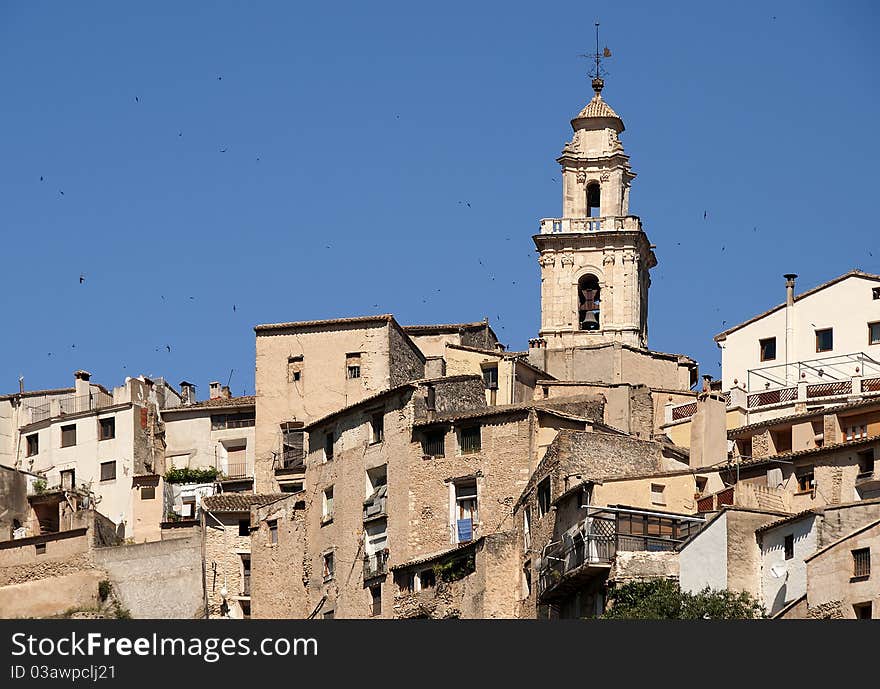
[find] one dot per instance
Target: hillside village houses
(393, 471)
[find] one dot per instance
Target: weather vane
(598, 71)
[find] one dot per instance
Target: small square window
(806, 481)
(328, 446)
(33, 445)
(106, 428)
(825, 340)
(244, 527)
(377, 428)
(490, 377)
(353, 366)
(874, 333)
(434, 443)
(108, 471)
(40, 548)
(148, 493)
(788, 545)
(876, 293)
(294, 369)
(657, 494)
(68, 436)
(768, 348)
(863, 611)
(273, 531)
(469, 440)
(861, 562)
(328, 566)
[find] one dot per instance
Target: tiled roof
(243, 401)
(501, 409)
(37, 393)
(383, 318)
(437, 556)
(803, 415)
(756, 461)
(852, 273)
(240, 502)
(597, 108)
(443, 328)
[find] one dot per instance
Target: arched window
(588, 302)
(593, 197)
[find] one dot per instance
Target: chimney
(188, 392)
(225, 392)
(789, 288)
(214, 389)
(81, 383)
(708, 431)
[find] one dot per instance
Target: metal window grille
(470, 440)
(861, 562)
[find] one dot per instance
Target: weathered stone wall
(638, 566)
(278, 570)
(839, 521)
(66, 591)
(223, 565)
(451, 395)
(406, 362)
(160, 580)
(13, 500)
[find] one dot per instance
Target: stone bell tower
(595, 259)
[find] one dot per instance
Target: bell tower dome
(595, 259)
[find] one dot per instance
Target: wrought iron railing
(376, 564)
(238, 470)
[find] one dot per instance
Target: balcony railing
(238, 470)
(376, 564)
(70, 404)
(609, 223)
(289, 459)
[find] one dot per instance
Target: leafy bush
(662, 599)
(40, 486)
(186, 475)
(104, 589)
(455, 569)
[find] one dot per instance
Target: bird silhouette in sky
(219, 78)
(61, 191)
(233, 307)
(705, 214)
(168, 347)
(223, 150)
(41, 178)
(137, 100)
(192, 297)
(179, 133)
(82, 278)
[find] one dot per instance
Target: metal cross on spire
(598, 71)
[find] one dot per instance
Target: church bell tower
(595, 259)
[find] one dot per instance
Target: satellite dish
(778, 571)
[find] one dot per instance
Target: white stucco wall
(703, 561)
(847, 307)
(777, 591)
(190, 442)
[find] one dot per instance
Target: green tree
(663, 599)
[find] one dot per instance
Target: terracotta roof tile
(240, 502)
(597, 108)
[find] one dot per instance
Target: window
(68, 479)
(863, 611)
(866, 462)
(148, 492)
(244, 527)
(188, 507)
(825, 340)
(781, 440)
(68, 436)
(788, 545)
(294, 369)
(806, 480)
(222, 422)
(861, 562)
(273, 531)
(376, 597)
(106, 428)
(328, 446)
(291, 445)
(544, 497)
(874, 333)
(40, 548)
(527, 579)
(434, 443)
(377, 427)
(291, 486)
(490, 377)
(245, 574)
(469, 440)
(327, 566)
(593, 200)
(353, 366)
(33, 444)
(108, 471)
(856, 431)
(327, 505)
(657, 497)
(427, 579)
(527, 528)
(876, 293)
(768, 348)
(588, 302)
(464, 517)
(245, 608)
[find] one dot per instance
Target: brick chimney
(81, 382)
(188, 392)
(214, 389)
(789, 288)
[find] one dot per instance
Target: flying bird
(61, 191)
(137, 100)
(219, 78)
(223, 150)
(233, 307)
(606, 52)
(82, 278)
(41, 178)
(168, 347)
(192, 297)
(705, 214)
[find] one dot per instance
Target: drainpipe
(789, 320)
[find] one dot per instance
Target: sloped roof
(240, 502)
(383, 318)
(216, 403)
(853, 273)
(597, 107)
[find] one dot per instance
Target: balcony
(630, 223)
(590, 547)
(376, 564)
(289, 461)
(70, 404)
(237, 470)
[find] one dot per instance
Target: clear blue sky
(356, 133)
